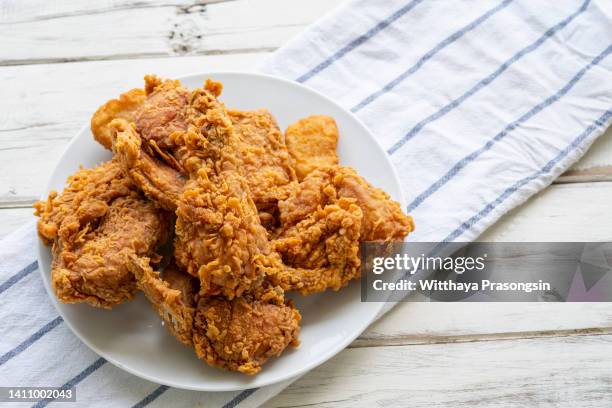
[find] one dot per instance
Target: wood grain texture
(596, 165)
(54, 72)
(35, 33)
(566, 371)
(563, 212)
(432, 323)
(43, 106)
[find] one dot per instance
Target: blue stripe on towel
(240, 397)
(18, 276)
(30, 340)
(547, 168)
(74, 381)
(359, 40)
(430, 54)
(151, 397)
(509, 128)
(486, 81)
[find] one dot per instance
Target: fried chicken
(312, 143)
(122, 108)
(383, 218)
(322, 224)
(242, 334)
(322, 250)
(173, 296)
(165, 111)
(157, 180)
(264, 159)
(98, 221)
(219, 237)
(256, 213)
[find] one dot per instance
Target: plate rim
(236, 387)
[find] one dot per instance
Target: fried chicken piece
(264, 159)
(122, 108)
(165, 111)
(322, 249)
(84, 200)
(172, 296)
(219, 237)
(242, 334)
(383, 219)
(312, 143)
(239, 335)
(157, 180)
(98, 221)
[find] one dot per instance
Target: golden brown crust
(383, 218)
(122, 108)
(322, 250)
(312, 143)
(164, 111)
(97, 222)
(219, 237)
(157, 180)
(263, 155)
(257, 212)
(241, 335)
(173, 296)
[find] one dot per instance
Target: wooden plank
(552, 372)
(43, 106)
(121, 29)
(577, 212)
(22, 11)
(430, 323)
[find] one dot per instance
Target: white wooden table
(60, 59)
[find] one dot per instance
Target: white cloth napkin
(480, 104)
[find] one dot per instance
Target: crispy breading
(157, 180)
(98, 221)
(219, 237)
(122, 108)
(312, 143)
(383, 218)
(165, 111)
(172, 296)
(322, 250)
(242, 334)
(263, 155)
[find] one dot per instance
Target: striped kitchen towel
(479, 103)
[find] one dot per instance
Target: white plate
(131, 335)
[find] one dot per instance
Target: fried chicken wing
(264, 159)
(242, 334)
(312, 143)
(322, 250)
(157, 180)
(383, 219)
(95, 225)
(172, 296)
(122, 108)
